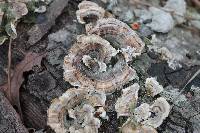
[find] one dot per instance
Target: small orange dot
(135, 26)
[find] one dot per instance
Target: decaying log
(9, 119)
(33, 113)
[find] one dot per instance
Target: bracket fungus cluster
(97, 64)
(159, 111)
(128, 99)
(153, 87)
(123, 38)
(130, 127)
(89, 64)
(146, 118)
(75, 111)
(89, 12)
(99, 59)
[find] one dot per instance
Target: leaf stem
(9, 70)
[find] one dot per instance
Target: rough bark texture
(9, 119)
(39, 30)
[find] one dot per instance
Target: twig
(194, 76)
(9, 69)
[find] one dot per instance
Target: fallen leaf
(31, 59)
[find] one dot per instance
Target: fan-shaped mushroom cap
(96, 99)
(89, 12)
(120, 34)
(85, 115)
(142, 112)
(153, 86)
(77, 72)
(87, 4)
(160, 109)
(127, 100)
(74, 111)
(88, 61)
(130, 127)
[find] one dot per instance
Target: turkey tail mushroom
(59, 107)
(142, 112)
(160, 110)
(89, 12)
(153, 87)
(74, 111)
(92, 62)
(130, 127)
(127, 101)
(119, 34)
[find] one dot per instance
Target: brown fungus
(87, 60)
(119, 34)
(160, 110)
(142, 112)
(88, 72)
(127, 101)
(130, 127)
(89, 12)
(74, 111)
(153, 87)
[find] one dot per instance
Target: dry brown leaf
(30, 60)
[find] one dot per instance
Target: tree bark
(9, 119)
